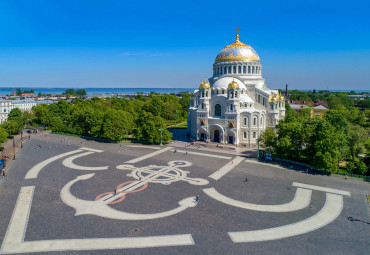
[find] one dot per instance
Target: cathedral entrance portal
(202, 136)
(231, 139)
(216, 137)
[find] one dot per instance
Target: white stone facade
(8, 105)
(235, 106)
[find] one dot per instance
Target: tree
(116, 124)
(39, 94)
(357, 137)
(269, 139)
(148, 128)
(15, 114)
(42, 115)
(3, 135)
(18, 92)
(12, 127)
(69, 92)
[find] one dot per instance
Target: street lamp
(259, 139)
(13, 149)
(161, 131)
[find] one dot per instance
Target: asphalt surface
(208, 222)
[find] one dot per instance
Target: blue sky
(309, 45)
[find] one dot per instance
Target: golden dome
(237, 51)
(204, 85)
(233, 85)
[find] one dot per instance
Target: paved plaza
(71, 196)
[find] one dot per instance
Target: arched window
(231, 107)
(202, 105)
(217, 110)
(239, 69)
(229, 69)
(253, 69)
(223, 91)
(244, 69)
(254, 121)
(202, 93)
(234, 69)
(225, 70)
(249, 69)
(206, 93)
(245, 121)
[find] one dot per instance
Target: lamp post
(21, 139)
(161, 131)
(13, 149)
(258, 146)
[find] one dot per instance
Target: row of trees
(322, 142)
(114, 118)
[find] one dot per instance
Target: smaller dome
(233, 85)
(204, 85)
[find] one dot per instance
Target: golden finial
(237, 33)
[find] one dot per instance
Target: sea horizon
(101, 91)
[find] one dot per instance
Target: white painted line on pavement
(261, 163)
(34, 171)
(18, 222)
(301, 200)
(68, 162)
(148, 155)
(143, 146)
(308, 186)
(226, 168)
(203, 154)
(331, 210)
(14, 238)
(89, 149)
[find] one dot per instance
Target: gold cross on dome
(237, 33)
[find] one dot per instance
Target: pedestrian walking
(186, 153)
(115, 192)
(246, 179)
(3, 172)
(196, 199)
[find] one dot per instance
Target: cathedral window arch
(229, 69)
(239, 69)
(223, 91)
(207, 93)
(234, 69)
(225, 70)
(245, 121)
(249, 69)
(202, 93)
(244, 69)
(252, 69)
(217, 110)
(254, 121)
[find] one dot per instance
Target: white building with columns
(235, 106)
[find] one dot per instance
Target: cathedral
(234, 106)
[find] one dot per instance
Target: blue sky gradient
(309, 45)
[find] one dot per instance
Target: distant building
(8, 105)
(318, 108)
